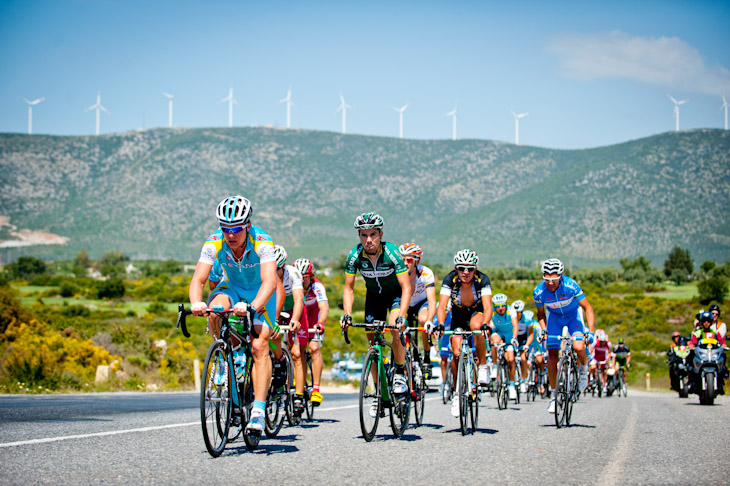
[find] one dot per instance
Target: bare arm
(296, 312)
(514, 325)
(268, 285)
(324, 312)
(487, 304)
(441, 311)
(197, 282)
(406, 291)
(588, 311)
(530, 336)
(280, 295)
(541, 318)
(348, 293)
(431, 298)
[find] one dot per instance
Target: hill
(152, 194)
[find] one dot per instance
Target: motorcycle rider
(674, 356)
(707, 333)
(721, 326)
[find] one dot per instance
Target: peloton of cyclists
(246, 254)
(563, 298)
(470, 294)
(317, 310)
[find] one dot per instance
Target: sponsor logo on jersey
(376, 273)
(261, 238)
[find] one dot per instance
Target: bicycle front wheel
(474, 396)
(308, 387)
(291, 417)
(463, 383)
(400, 404)
(216, 405)
(370, 398)
(502, 384)
(419, 392)
(448, 385)
(562, 398)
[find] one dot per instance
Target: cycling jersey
(622, 352)
(424, 280)
(521, 324)
(244, 272)
(601, 352)
(461, 314)
(312, 298)
(383, 278)
(216, 273)
(292, 280)
(563, 310)
(502, 325)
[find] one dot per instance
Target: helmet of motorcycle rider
(706, 318)
(713, 308)
(675, 335)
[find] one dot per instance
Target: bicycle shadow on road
(317, 422)
(264, 448)
(430, 426)
(388, 437)
(580, 426)
(478, 431)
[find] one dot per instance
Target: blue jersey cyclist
(387, 285)
(504, 330)
(535, 343)
(523, 323)
(563, 298)
(246, 255)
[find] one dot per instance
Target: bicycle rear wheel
(215, 404)
(274, 413)
(291, 417)
(502, 384)
(400, 404)
(474, 396)
(562, 398)
(419, 392)
(370, 397)
(448, 385)
(308, 387)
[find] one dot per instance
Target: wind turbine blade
(168, 95)
(28, 101)
(90, 108)
(35, 102)
(104, 110)
(670, 97)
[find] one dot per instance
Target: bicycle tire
(308, 387)
(274, 413)
(709, 391)
(561, 393)
(250, 438)
(370, 394)
(572, 392)
(216, 407)
(463, 384)
(502, 391)
(291, 418)
(474, 396)
(419, 393)
(400, 404)
(448, 385)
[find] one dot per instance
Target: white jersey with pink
(424, 280)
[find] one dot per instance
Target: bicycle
(376, 384)
(533, 377)
(467, 384)
(217, 393)
(518, 374)
(621, 382)
(502, 378)
(295, 418)
(566, 389)
(419, 388)
(279, 402)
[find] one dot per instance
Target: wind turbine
(343, 106)
(452, 114)
(676, 109)
(289, 104)
(517, 125)
(169, 116)
(97, 106)
(724, 105)
(231, 102)
(35, 102)
(400, 118)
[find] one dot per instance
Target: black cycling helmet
(714, 307)
(706, 316)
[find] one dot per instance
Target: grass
(682, 292)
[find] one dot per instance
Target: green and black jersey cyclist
(470, 294)
(386, 282)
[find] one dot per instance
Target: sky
(587, 73)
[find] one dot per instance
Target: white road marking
(621, 450)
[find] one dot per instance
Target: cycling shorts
(444, 347)
(555, 325)
(461, 317)
(521, 340)
(413, 312)
(303, 335)
(235, 295)
(378, 305)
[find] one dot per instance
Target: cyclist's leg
(422, 315)
(455, 353)
(263, 325)
(444, 353)
(399, 351)
(297, 356)
(475, 324)
(554, 331)
(224, 296)
(576, 329)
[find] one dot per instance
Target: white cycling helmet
(304, 265)
(499, 299)
(601, 335)
(369, 221)
(518, 305)
(552, 265)
(411, 250)
(466, 257)
(281, 255)
(529, 315)
(234, 211)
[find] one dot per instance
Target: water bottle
(239, 364)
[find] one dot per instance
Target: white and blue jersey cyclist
(563, 310)
(502, 325)
(243, 277)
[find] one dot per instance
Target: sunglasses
(501, 306)
(465, 269)
(554, 279)
(235, 230)
(410, 260)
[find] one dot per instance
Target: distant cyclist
(518, 309)
(622, 356)
(388, 288)
(317, 309)
(602, 356)
(504, 330)
(470, 294)
(563, 298)
(535, 344)
(423, 301)
(246, 254)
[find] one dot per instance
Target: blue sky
(588, 73)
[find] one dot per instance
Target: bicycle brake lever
(181, 313)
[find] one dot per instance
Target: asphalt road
(124, 438)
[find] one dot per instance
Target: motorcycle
(611, 381)
(679, 366)
(709, 370)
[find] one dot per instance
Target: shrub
(713, 289)
(112, 288)
(67, 289)
(27, 267)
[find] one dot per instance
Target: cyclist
(470, 294)
(423, 301)
(246, 254)
(563, 298)
(602, 355)
(443, 342)
(317, 309)
(622, 357)
(721, 326)
(504, 330)
(518, 308)
(535, 344)
(293, 303)
(387, 287)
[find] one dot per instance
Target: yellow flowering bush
(177, 365)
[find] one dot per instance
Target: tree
(112, 263)
(112, 288)
(678, 258)
(713, 289)
(678, 276)
(27, 267)
(707, 266)
(82, 260)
